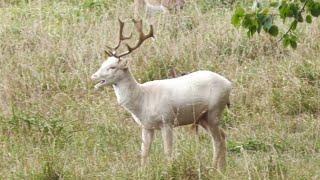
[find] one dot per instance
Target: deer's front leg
(147, 137)
(167, 136)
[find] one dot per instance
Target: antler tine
(142, 37)
(108, 53)
(121, 38)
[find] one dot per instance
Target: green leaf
(262, 18)
(309, 19)
(284, 9)
(246, 23)
(251, 31)
(294, 10)
(237, 16)
(315, 9)
(267, 23)
(240, 11)
(289, 10)
(293, 43)
(290, 40)
(259, 28)
(286, 40)
(310, 5)
(274, 31)
(235, 20)
(294, 25)
(249, 21)
(299, 17)
(293, 37)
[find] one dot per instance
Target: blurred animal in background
(151, 6)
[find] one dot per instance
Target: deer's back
(185, 96)
(193, 83)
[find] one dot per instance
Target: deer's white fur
(157, 5)
(164, 104)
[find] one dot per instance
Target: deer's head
(114, 68)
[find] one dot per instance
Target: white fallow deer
(157, 5)
(197, 98)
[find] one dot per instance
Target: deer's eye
(112, 67)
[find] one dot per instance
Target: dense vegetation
(262, 16)
(53, 125)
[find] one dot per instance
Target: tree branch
(291, 26)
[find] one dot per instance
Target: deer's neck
(128, 92)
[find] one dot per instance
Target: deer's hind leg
(211, 124)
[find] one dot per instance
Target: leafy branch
(294, 23)
(262, 17)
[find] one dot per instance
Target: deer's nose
(94, 76)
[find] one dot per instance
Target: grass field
(53, 125)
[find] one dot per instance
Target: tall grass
(53, 125)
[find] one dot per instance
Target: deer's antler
(142, 37)
(122, 37)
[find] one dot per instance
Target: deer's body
(196, 98)
(177, 101)
(157, 5)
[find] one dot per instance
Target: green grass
(53, 125)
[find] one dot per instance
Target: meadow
(53, 125)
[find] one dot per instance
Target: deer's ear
(123, 64)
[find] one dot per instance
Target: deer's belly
(189, 114)
(177, 116)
